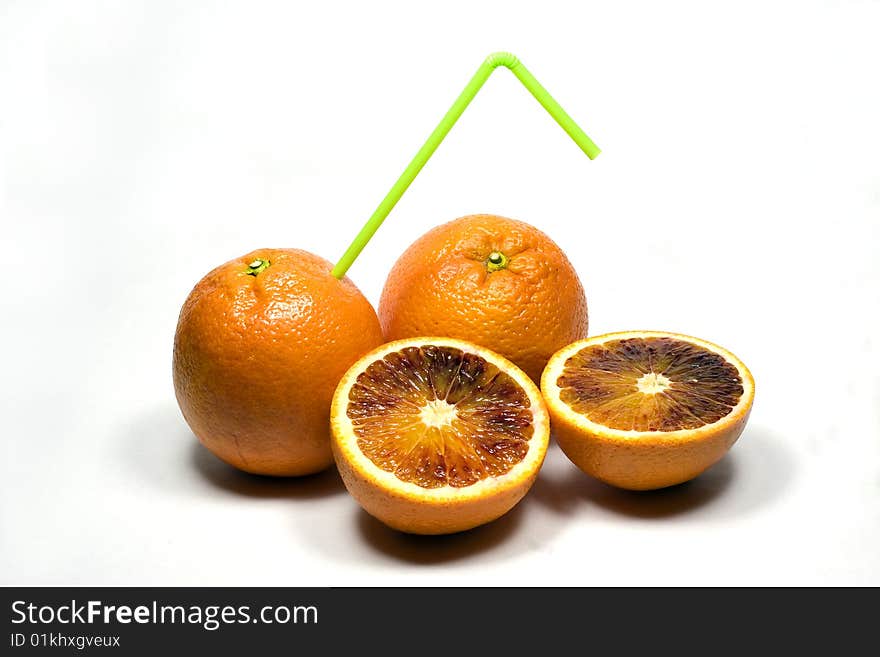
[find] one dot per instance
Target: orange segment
(435, 435)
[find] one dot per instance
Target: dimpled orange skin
(407, 515)
(646, 464)
(442, 285)
(257, 358)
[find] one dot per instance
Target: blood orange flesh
(650, 384)
(434, 416)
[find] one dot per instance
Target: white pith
(437, 413)
(652, 383)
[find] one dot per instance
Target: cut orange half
(646, 409)
(435, 435)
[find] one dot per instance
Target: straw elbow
(502, 58)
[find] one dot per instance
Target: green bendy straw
(409, 174)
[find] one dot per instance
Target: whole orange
(260, 345)
(497, 282)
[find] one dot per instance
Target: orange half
(435, 435)
(646, 409)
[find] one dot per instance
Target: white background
(737, 199)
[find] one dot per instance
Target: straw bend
(493, 61)
(501, 58)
